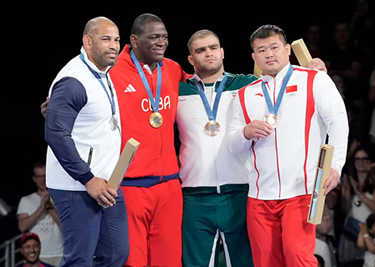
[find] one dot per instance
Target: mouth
(112, 54)
(159, 51)
(210, 60)
(271, 62)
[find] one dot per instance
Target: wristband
(366, 235)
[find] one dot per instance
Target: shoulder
(237, 81)
(169, 63)
(187, 87)
(69, 87)
(30, 196)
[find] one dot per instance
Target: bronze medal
(212, 128)
(156, 119)
(272, 120)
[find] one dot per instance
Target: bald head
(101, 41)
(92, 25)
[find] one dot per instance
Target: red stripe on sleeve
(310, 109)
(241, 95)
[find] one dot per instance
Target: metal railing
(9, 252)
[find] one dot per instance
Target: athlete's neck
(209, 77)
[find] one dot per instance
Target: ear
(134, 40)
(190, 59)
(288, 49)
(87, 42)
(222, 52)
(253, 56)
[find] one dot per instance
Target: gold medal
(156, 119)
(212, 128)
(272, 120)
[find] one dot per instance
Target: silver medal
(113, 123)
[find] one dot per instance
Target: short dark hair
(320, 259)
(38, 164)
(141, 20)
(201, 34)
(266, 31)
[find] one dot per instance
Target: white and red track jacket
(283, 165)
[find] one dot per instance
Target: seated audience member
(37, 213)
(358, 202)
(30, 249)
(322, 250)
(366, 240)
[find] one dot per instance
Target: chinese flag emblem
(291, 89)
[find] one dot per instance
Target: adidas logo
(129, 89)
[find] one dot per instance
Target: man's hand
(257, 129)
(332, 181)
(45, 201)
(318, 64)
(101, 192)
(43, 107)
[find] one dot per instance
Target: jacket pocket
(90, 156)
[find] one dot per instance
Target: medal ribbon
(97, 76)
(211, 113)
(154, 102)
(273, 109)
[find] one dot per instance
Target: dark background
(41, 39)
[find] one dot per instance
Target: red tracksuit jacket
(155, 159)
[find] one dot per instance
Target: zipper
(276, 150)
(90, 156)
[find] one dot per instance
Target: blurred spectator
(358, 201)
(313, 40)
(363, 32)
(30, 249)
(322, 250)
(37, 214)
(343, 59)
(372, 101)
(325, 233)
(366, 240)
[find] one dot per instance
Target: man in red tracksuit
(147, 91)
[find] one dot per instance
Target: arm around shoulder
(237, 143)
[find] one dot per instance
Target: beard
(103, 59)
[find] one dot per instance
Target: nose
(208, 52)
(113, 44)
(269, 53)
(161, 41)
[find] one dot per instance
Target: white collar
(92, 65)
(200, 80)
(279, 76)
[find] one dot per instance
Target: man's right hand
(257, 129)
(101, 192)
(43, 107)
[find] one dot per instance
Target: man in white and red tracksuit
(280, 121)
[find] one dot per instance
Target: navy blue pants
(93, 236)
